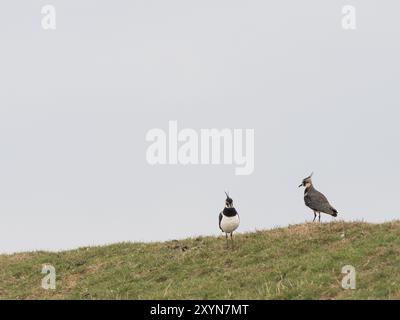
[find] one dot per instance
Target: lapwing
(228, 218)
(315, 200)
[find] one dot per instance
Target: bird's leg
(319, 216)
(226, 236)
(315, 215)
(232, 239)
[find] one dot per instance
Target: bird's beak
(300, 185)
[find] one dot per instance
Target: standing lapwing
(228, 218)
(316, 200)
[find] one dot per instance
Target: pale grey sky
(76, 103)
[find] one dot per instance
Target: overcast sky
(76, 104)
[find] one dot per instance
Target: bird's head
(228, 201)
(306, 182)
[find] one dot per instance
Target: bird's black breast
(229, 212)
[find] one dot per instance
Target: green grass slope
(299, 262)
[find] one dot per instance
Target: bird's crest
(228, 198)
(306, 180)
(309, 177)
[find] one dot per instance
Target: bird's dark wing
(317, 201)
(220, 219)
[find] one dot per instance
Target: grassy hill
(299, 262)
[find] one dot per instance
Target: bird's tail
(334, 212)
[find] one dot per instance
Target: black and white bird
(228, 218)
(315, 200)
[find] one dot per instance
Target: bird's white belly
(230, 224)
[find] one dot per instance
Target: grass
(298, 262)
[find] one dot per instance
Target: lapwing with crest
(315, 200)
(228, 218)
